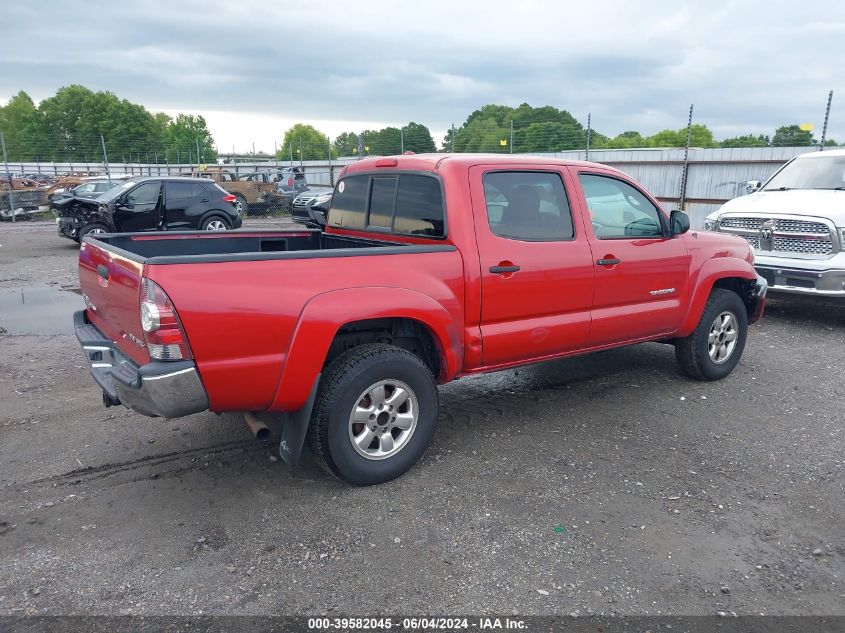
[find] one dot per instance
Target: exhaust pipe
(258, 428)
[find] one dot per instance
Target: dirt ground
(608, 484)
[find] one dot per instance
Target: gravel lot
(603, 484)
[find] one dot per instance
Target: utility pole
(197, 141)
(290, 147)
(276, 153)
(686, 161)
(105, 159)
(452, 144)
(401, 141)
(331, 175)
(511, 141)
(589, 131)
(177, 157)
(9, 176)
(826, 117)
(360, 146)
(300, 152)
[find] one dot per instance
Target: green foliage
(543, 129)
(418, 139)
(346, 144)
(181, 136)
(15, 117)
(746, 140)
(68, 125)
(305, 142)
(792, 136)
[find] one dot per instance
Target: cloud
(631, 65)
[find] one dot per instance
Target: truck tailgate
(110, 285)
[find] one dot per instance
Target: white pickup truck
(795, 223)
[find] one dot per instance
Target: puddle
(39, 309)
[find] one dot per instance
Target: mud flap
(296, 427)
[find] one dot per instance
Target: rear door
(642, 274)
(139, 208)
(180, 198)
(536, 264)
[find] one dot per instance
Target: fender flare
(712, 271)
(325, 314)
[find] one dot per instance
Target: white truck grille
(789, 236)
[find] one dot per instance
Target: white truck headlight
(711, 223)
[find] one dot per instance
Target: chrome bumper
(159, 389)
(819, 283)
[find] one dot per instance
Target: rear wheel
(375, 415)
(92, 228)
(215, 223)
(713, 350)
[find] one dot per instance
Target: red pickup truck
(431, 267)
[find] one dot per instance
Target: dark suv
(150, 204)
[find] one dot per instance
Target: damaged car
(150, 204)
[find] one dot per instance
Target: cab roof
(434, 162)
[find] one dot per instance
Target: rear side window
(398, 203)
(526, 205)
(182, 190)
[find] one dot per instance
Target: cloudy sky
(253, 68)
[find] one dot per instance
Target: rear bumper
(169, 389)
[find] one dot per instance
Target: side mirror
(678, 222)
(752, 185)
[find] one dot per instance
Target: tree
(543, 129)
(305, 142)
(746, 140)
(346, 144)
(181, 137)
(418, 138)
(792, 136)
(15, 117)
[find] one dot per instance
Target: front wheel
(375, 414)
(215, 223)
(713, 350)
(92, 228)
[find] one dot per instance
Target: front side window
(397, 203)
(144, 194)
(618, 210)
(528, 205)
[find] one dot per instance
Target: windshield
(115, 191)
(810, 173)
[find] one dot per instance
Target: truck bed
(183, 247)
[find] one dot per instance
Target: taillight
(229, 198)
(162, 330)
(290, 182)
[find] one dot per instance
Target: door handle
(608, 262)
(503, 269)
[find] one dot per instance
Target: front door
(138, 209)
(641, 271)
(536, 264)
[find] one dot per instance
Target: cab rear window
(410, 204)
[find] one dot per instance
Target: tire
(215, 223)
(244, 205)
(350, 387)
(707, 353)
(91, 227)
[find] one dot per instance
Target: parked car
(290, 181)
(90, 188)
(795, 223)
(346, 333)
(303, 207)
(150, 204)
(250, 192)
